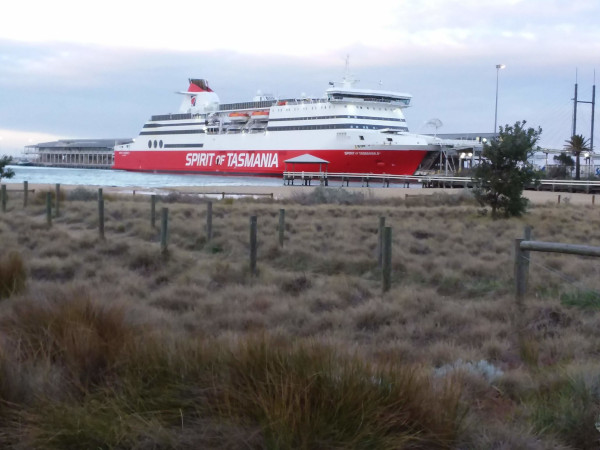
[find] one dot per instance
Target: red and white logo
(193, 100)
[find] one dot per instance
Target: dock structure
(425, 181)
(78, 153)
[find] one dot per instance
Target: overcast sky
(75, 69)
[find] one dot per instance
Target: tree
(6, 172)
(505, 170)
(576, 145)
(565, 162)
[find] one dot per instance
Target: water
(119, 178)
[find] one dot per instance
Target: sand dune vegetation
(113, 343)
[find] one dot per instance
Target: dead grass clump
(70, 331)
(306, 397)
(295, 286)
(54, 269)
(12, 275)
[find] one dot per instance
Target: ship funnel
(199, 98)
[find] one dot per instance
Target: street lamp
(498, 67)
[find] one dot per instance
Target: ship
(347, 130)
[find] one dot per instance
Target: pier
(75, 153)
(424, 181)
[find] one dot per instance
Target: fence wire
(572, 281)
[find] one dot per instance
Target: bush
(82, 194)
(323, 195)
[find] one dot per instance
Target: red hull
(269, 162)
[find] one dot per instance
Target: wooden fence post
(25, 193)
(253, 243)
(387, 259)
(164, 225)
(57, 194)
(380, 242)
(281, 226)
(520, 273)
(3, 195)
(209, 211)
(49, 209)
(526, 254)
(153, 211)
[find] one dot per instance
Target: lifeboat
(239, 116)
(260, 115)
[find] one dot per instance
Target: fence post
(25, 193)
(209, 209)
(164, 224)
(526, 254)
(520, 273)
(49, 209)
(153, 211)
(281, 226)
(380, 242)
(3, 195)
(57, 213)
(387, 259)
(100, 214)
(559, 199)
(253, 226)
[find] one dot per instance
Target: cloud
(12, 142)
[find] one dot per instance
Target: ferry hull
(270, 162)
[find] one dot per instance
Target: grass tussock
(121, 385)
(111, 344)
(12, 275)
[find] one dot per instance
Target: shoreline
(286, 192)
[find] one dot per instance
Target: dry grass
(168, 344)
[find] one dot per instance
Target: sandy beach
(285, 192)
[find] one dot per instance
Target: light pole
(498, 67)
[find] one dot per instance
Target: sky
(73, 69)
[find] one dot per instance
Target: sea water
(119, 178)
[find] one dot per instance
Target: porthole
(160, 144)
(155, 144)
(149, 144)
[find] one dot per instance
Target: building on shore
(82, 153)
